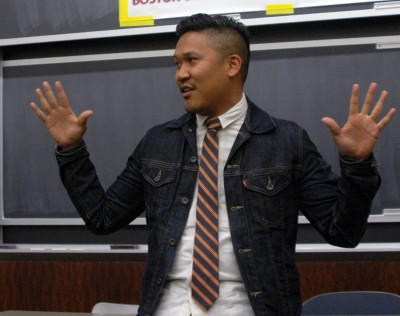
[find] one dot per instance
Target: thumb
(84, 116)
(332, 125)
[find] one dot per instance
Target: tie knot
(213, 123)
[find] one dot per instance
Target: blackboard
(26, 18)
(127, 98)
(130, 96)
(32, 18)
(298, 84)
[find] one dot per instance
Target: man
(268, 170)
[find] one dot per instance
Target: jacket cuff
(71, 150)
(65, 156)
(360, 164)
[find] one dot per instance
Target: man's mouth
(186, 90)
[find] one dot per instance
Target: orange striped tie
(205, 275)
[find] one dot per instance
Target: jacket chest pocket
(159, 187)
(267, 196)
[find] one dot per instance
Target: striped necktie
(205, 275)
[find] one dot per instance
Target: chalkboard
(130, 96)
(297, 84)
(127, 97)
(25, 18)
(31, 18)
(306, 85)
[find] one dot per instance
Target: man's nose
(182, 74)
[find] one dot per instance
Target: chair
(102, 308)
(353, 303)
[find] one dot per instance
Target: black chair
(353, 303)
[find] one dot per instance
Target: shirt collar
(229, 116)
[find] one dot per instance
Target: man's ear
(234, 64)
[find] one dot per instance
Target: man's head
(229, 35)
(212, 57)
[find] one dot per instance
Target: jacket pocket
(159, 186)
(267, 196)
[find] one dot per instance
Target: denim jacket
(273, 172)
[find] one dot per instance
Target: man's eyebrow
(188, 53)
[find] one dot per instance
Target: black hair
(231, 34)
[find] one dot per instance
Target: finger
(43, 100)
(369, 98)
(62, 96)
(38, 112)
(386, 119)
(333, 126)
(82, 119)
(354, 100)
(377, 110)
(50, 95)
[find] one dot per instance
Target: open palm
(358, 136)
(64, 126)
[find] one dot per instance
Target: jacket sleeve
(103, 211)
(338, 207)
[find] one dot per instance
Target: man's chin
(190, 108)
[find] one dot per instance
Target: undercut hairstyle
(230, 36)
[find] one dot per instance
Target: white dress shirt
(176, 298)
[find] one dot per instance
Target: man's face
(202, 75)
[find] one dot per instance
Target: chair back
(353, 303)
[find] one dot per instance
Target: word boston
(162, 9)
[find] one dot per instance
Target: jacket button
(172, 242)
(244, 250)
(158, 177)
(193, 159)
(185, 201)
(159, 280)
(256, 293)
(236, 208)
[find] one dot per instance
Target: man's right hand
(65, 127)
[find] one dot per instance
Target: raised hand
(357, 138)
(65, 127)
